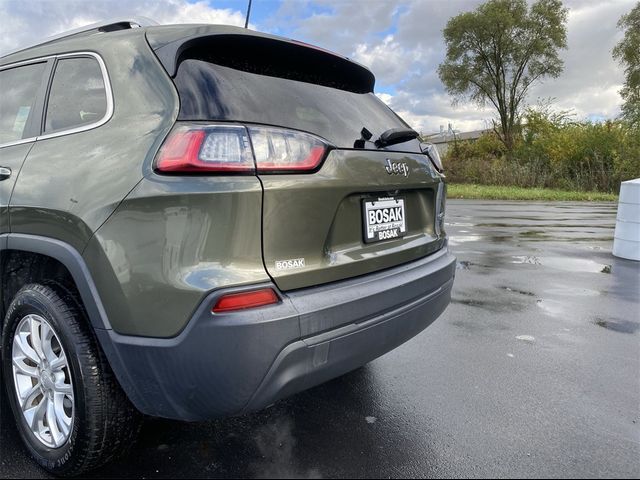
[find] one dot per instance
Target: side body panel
(11, 157)
(70, 184)
(165, 242)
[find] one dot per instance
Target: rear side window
(19, 87)
(78, 95)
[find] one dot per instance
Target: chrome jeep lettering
(396, 168)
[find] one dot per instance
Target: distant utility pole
(246, 22)
(455, 139)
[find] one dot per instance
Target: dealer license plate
(384, 219)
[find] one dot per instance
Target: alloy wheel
(42, 380)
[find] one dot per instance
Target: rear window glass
(78, 96)
(214, 92)
(19, 88)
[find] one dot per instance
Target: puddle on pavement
(528, 259)
(463, 265)
(563, 263)
(617, 325)
(553, 307)
(535, 235)
(482, 268)
(564, 290)
(521, 292)
(526, 338)
(458, 224)
(469, 302)
(458, 239)
(486, 299)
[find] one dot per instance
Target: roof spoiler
(232, 42)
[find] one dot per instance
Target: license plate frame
(374, 228)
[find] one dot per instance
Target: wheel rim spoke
(52, 423)
(58, 363)
(36, 339)
(64, 421)
(20, 342)
(64, 388)
(35, 415)
(28, 397)
(42, 380)
(23, 369)
(46, 343)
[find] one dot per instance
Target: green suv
(195, 222)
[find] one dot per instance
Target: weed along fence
(626, 242)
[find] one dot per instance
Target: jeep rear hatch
(347, 190)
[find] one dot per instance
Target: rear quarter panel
(171, 242)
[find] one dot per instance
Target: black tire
(105, 424)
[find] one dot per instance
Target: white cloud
(401, 41)
(385, 97)
(338, 26)
(428, 113)
(26, 22)
(591, 79)
(390, 61)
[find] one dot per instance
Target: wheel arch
(71, 260)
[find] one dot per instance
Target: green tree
(627, 52)
(496, 52)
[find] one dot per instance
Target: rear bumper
(229, 364)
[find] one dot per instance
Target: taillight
(431, 151)
(281, 150)
(243, 300)
(228, 148)
(206, 149)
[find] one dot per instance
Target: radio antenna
(246, 22)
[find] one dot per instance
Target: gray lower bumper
(223, 365)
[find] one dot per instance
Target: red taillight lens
(228, 148)
(244, 300)
(282, 150)
(206, 149)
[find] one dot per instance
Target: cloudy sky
(400, 40)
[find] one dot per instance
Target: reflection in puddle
(563, 263)
(622, 326)
(552, 307)
(521, 292)
(526, 338)
(458, 224)
(470, 302)
(458, 239)
(564, 290)
(534, 234)
(529, 259)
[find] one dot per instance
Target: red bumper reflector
(244, 300)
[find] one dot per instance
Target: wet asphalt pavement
(533, 371)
